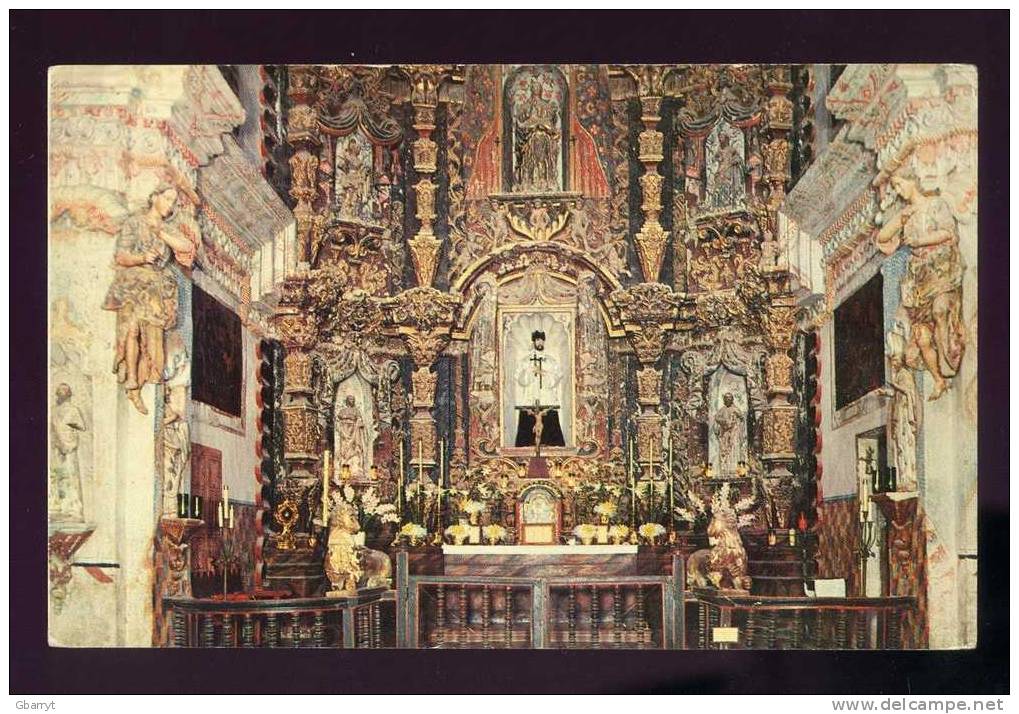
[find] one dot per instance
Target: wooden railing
(365, 621)
(799, 623)
(463, 611)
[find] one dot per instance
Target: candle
(326, 464)
(399, 482)
(226, 494)
(442, 461)
(231, 516)
(421, 461)
(651, 458)
(219, 515)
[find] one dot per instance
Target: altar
(539, 560)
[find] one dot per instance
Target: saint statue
(536, 134)
(730, 428)
(538, 379)
(903, 415)
(353, 180)
(730, 173)
(176, 431)
(144, 291)
(932, 285)
(351, 439)
(342, 566)
(66, 423)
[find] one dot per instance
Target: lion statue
(349, 564)
(723, 565)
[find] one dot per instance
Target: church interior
(513, 356)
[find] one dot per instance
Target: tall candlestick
(399, 482)
(442, 461)
(421, 461)
(327, 459)
(672, 490)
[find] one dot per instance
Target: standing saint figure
(904, 414)
(730, 428)
(66, 424)
(538, 378)
(932, 285)
(144, 291)
(353, 181)
(176, 431)
(730, 174)
(536, 134)
(351, 437)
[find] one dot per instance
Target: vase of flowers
(458, 532)
(651, 532)
(586, 532)
(494, 533)
(618, 533)
(473, 509)
(605, 511)
(414, 533)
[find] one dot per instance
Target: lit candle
(231, 516)
(219, 515)
(226, 494)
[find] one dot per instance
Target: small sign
(725, 634)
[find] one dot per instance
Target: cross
(538, 412)
(536, 360)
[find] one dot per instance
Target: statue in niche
(176, 431)
(727, 171)
(904, 413)
(538, 377)
(731, 429)
(144, 291)
(355, 195)
(932, 285)
(67, 424)
(536, 100)
(351, 439)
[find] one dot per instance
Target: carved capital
(297, 372)
(302, 125)
(296, 330)
(423, 317)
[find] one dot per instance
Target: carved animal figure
(724, 565)
(376, 568)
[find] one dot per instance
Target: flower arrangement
(586, 532)
(651, 531)
(458, 532)
(413, 532)
(618, 533)
(372, 513)
(605, 509)
(494, 533)
(471, 508)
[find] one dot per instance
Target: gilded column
(303, 137)
(424, 98)
(297, 332)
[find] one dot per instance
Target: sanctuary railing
(364, 621)
(757, 622)
(542, 611)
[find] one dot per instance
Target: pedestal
(173, 568)
(65, 539)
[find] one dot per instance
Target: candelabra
(868, 528)
(225, 520)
